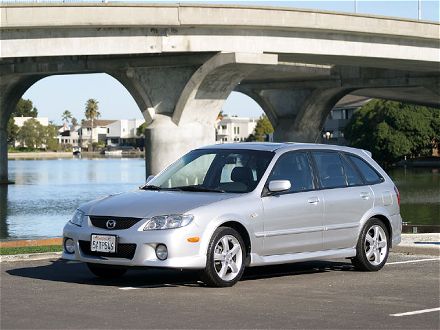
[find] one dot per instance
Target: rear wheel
(106, 271)
(225, 258)
(372, 248)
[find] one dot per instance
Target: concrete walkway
(428, 244)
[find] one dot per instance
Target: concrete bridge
(181, 62)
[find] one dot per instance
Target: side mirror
(279, 185)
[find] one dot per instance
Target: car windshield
(214, 170)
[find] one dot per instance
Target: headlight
(77, 218)
(168, 221)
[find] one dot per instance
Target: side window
(295, 167)
(330, 169)
(353, 178)
(369, 174)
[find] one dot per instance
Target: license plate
(103, 243)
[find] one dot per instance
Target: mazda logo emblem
(110, 224)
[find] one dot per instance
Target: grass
(30, 249)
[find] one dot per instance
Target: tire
(106, 271)
(224, 267)
(373, 246)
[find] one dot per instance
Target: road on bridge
(59, 294)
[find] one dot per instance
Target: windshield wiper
(151, 187)
(199, 188)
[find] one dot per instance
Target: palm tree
(91, 114)
(66, 116)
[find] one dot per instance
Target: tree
(392, 130)
(66, 116)
(91, 114)
(74, 122)
(25, 108)
(31, 134)
(49, 137)
(140, 131)
(12, 130)
(262, 129)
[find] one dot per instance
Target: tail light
(397, 194)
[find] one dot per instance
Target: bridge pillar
(181, 104)
(157, 91)
(3, 154)
(297, 115)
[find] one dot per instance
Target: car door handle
(313, 200)
(365, 195)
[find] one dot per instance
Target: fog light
(69, 245)
(161, 252)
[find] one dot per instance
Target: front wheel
(106, 271)
(225, 258)
(372, 248)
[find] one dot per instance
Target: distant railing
(420, 229)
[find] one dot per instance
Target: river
(47, 192)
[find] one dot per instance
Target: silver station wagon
(225, 207)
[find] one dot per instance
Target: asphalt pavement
(56, 294)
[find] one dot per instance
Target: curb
(30, 256)
(430, 250)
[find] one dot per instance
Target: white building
(100, 131)
(123, 132)
(68, 135)
(234, 129)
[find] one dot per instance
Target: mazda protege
(225, 207)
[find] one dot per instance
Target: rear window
(368, 172)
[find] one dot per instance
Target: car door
(346, 199)
(293, 220)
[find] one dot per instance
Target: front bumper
(181, 253)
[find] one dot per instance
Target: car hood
(144, 203)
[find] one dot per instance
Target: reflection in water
(47, 192)
(3, 210)
(420, 194)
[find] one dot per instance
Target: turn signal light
(193, 239)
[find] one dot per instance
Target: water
(47, 192)
(420, 194)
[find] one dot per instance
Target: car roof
(281, 147)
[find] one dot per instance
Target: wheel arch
(387, 224)
(243, 233)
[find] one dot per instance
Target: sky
(52, 95)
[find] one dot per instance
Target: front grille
(122, 250)
(121, 223)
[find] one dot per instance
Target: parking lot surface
(57, 294)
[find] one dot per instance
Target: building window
(108, 130)
(223, 126)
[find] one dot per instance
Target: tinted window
(330, 169)
(369, 174)
(353, 178)
(295, 167)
